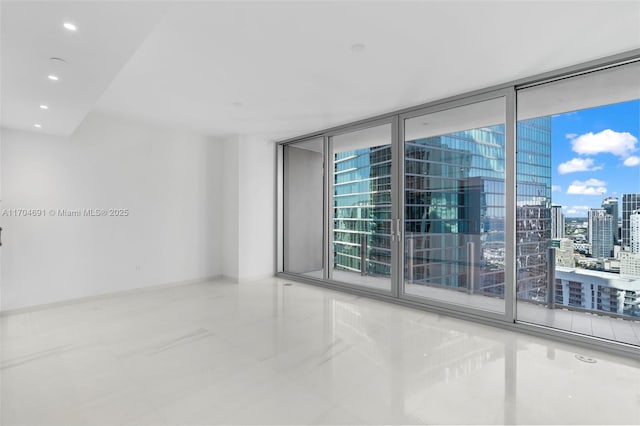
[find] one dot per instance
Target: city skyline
(595, 154)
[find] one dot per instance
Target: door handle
(393, 232)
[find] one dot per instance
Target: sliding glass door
(454, 205)
(362, 248)
(578, 255)
(520, 204)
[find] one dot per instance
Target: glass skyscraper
(630, 203)
(533, 207)
(557, 222)
(454, 209)
(362, 210)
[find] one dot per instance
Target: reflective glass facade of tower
(362, 215)
(454, 209)
(533, 206)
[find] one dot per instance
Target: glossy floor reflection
(267, 352)
(594, 324)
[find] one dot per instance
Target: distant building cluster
(608, 241)
(598, 261)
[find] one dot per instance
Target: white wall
(170, 181)
(249, 202)
(230, 200)
(256, 211)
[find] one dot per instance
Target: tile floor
(590, 324)
(267, 352)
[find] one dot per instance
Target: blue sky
(595, 154)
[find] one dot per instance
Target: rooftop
(606, 278)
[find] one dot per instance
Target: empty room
(319, 212)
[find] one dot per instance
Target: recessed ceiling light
(37, 125)
(53, 77)
(70, 26)
(358, 47)
(44, 107)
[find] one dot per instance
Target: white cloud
(632, 161)
(575, 209)
(571, 135)
(588, 187)
(556, 188)
(577, 165)
(593, 182)
(621, 144)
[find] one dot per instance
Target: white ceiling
(108, 35)
(279, 69)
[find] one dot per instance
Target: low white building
(598, 291)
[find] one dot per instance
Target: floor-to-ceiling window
(361, 192)
(454, 205)
(519, 204)
(578, 159)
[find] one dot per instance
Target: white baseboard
(257, 277)
(239, 280)
(152, 287)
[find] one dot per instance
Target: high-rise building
(557, 222)
(634, 232)
(454, 209)
(533, 207)
(362, 203)
(610, 205)
(533, 210)
(590, 215)
(630, 203)
(533, 233)
(601, 225)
